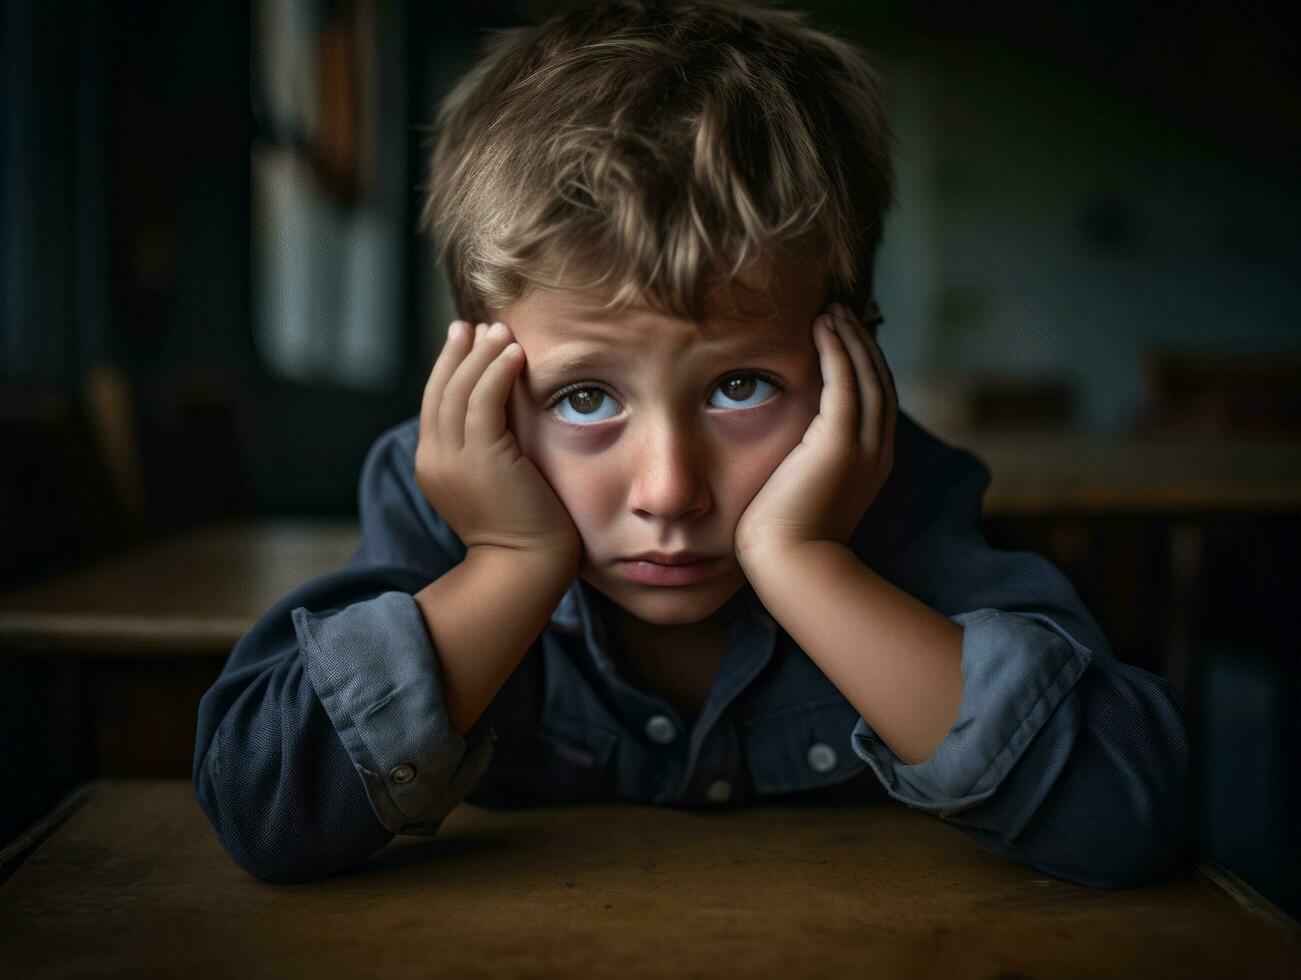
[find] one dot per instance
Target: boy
(661, 534)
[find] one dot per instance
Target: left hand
(824, 486)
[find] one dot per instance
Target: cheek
(752, 461)
(584, 487)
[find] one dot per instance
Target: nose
(669, 482)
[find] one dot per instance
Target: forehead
(735, 315)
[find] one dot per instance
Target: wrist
(557, 562)
(759, 555)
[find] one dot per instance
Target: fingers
(885, 376)
(459, 338)
(485, 418)
(868, 385)
(454, 406)
(468, 355)
(839, 402)
(876, 382)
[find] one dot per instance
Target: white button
(822, 757)
(660, 729)
(402, 773)
(719, 791)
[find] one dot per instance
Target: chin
(669, 606)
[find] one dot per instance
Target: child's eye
(740, 392)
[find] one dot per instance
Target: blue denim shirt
(327, 732)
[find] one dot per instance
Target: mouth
(646, 572)
(683, 557)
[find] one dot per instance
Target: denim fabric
(327, 733)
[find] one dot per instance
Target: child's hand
(468, 463)
(824, 486)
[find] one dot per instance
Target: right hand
(469, 464)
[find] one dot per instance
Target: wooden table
(126, 878)
(113, 657)
(192, 595)
(1062, 474)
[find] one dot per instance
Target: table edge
(1237, 890)
(12, 857)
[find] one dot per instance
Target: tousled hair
(656, 150)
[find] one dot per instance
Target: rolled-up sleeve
(1016, 671)
(327, 732)
(1061, 757)
(373, 667)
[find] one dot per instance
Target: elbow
(1131, 857)
(275, 870)
(1126, 815)
(1116, 842)
(279, 854)
(1103, 827)
(258, 824)
(1096, 856)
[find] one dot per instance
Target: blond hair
(656, 150)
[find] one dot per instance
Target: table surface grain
(127, 878)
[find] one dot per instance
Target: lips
(671, 558)
(646, 572)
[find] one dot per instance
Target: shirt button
(822, 757)
(403, 773)
(660, 729)
(719, 791)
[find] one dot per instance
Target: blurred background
(212, 300)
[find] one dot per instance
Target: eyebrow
(592, 358)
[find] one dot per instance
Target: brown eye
(586, 400)
(582, 402)
(741, 387)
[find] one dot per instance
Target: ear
(871, 317)
(869, 314)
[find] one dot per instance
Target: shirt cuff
(374, 669)
(1016, 669)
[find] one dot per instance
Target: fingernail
(497, 330)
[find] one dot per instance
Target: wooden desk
(128, 879)
(118, 653)
(192, 595)
(1076, 474)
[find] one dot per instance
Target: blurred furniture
(1225, 394)
(988, 403)
(112, 417)
(170, 446)
(59, 499)
(1127, 520)
(192, 595)
(122, 464)
(127, 878)
(115, 655)
(1072, 474)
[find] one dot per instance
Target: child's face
(670, 432)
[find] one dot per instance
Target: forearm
(895, 659)
(483, 615)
